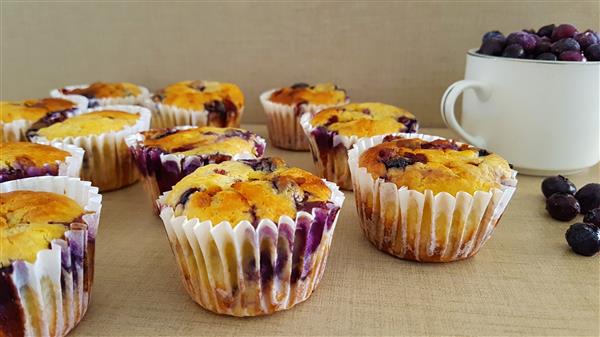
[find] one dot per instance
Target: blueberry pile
(564, 202)
(551, 43)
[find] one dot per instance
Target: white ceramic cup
(542, 116)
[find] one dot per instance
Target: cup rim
(473, 52)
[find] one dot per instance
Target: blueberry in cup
(250, 237)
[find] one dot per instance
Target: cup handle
(483, 92)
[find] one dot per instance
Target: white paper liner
(168, 116)
(71, 166)
(422, 226)
(332, 163)
(283, 123)
(15, 130)
(53, 293)
(151, 184)
(100, 102)
(222, 267)
(107, 162)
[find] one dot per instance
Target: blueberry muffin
(102, 93)
(198, 103)
(257, 234)
(332, 132)
(101, 132)
(22, 160)
(165, 156)
(285, 106)
(48, 227)
(17, 116)
(428, 199)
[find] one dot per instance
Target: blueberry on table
(546, 30)
(557, 184)
(563, 31)
(586, 39)
(584, 239)
(562, 206)
(565, 45)
(571, 55)
(588, 197)
(592, 217)
(592, 53)
(525, 40)
(547, 57)
(514, 51)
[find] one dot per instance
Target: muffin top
(247, 190)
(32, 109)
(440, 165)
(302, 93)
(202, 140)
(202, 95)
(88, 124)
(23, 155)
(105, 90)
(365, 119)
(30, 220)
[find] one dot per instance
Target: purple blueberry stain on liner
(299, 248)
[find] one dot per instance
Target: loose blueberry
(563, 31)
(525, 40)
(492, 47)
(547, 57)
(546, 30)
(592, 217)
(588, 197)
(514, 51)
(586, 39)
(565, 45)
(571, 55)
(562, 206)
(592, 53)
(557, 184)
(584, 239)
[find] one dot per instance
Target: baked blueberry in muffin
(428, 199)
(17, 116)
(21, 160)
(199, 102)
(261, 234)
(439, 165)
(164, 156)
(333, 131)
(285, 106)
(101, 132)
(103, 93)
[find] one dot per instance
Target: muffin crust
(88, 124)
(32, 109)
(105, 90)
(302, 93)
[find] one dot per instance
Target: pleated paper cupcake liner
(70, 166)
(160, 171)
(50, 296)
(330, 152)
(100, 102)
(107, 162)
(168, 116)
(422, 226)
(243, 270)
(15, 130)
(283, 122)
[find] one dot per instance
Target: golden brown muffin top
(439, 165)
(32, 109)
(319, 94)
(105, 90)
(202, 140)
(30, 220)
(365, 119)
(247, 190)
(201, 95)
(24, 155)
(88, 124)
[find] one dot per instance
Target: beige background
(404, 53)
